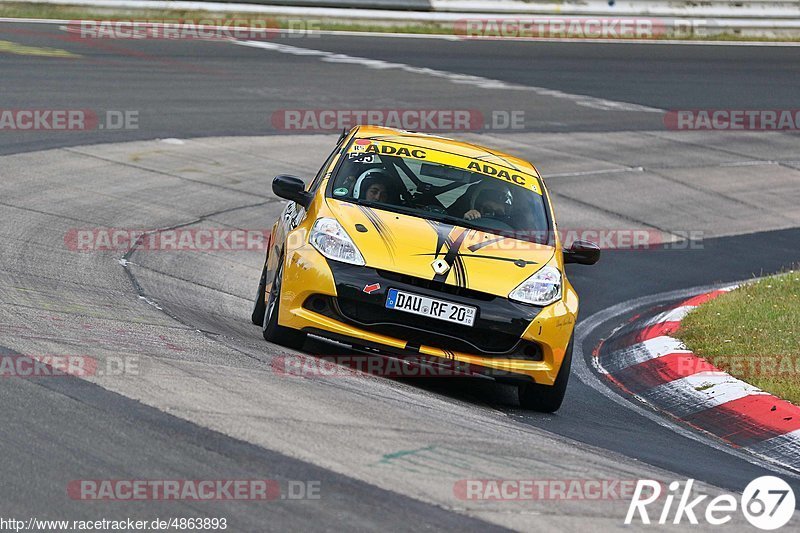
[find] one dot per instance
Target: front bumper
(507, 341)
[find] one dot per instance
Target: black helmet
(375, 175)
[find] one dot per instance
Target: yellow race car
(420, 247)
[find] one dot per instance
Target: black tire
(547, 398)
(272, 331)
(260, 306)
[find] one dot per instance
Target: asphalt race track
(205, 401)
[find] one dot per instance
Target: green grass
(753, 333)
(67, 12)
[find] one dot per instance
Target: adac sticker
(507, 174)
(398, 150)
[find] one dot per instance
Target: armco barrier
(771, 18)
(659, 8)
(402, 5)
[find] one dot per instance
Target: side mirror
(582, 253)
(291, 188)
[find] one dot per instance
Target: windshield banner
(514, 176)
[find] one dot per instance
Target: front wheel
(547, 398)
(272, 331)
(260, 306)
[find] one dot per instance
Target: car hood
(409, 245)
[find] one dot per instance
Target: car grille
(423, 330)
(437, 286)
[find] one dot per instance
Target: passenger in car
(491, 203)
(484, 199)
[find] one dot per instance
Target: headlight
(331, 240)
(542, 288)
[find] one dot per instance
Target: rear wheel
(272, 331)
(547, 398)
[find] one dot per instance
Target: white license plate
(431, 307)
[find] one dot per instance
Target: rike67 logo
(767, 503)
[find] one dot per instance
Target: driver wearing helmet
(374, 186)
(492, 203)
(377, 192)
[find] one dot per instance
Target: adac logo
(490, 170)
(396, 150)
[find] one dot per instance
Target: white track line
(453, 77)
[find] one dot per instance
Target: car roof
(435, 142)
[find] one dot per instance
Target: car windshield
(444, 187)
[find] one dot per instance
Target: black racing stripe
(462, 269)
(451, 258)
(380, 227)
(477, 246)
(442, 235)
(372, 218)
(458, 270)
(508, 259)
(493, 258)
(460, 266)
(458, 274)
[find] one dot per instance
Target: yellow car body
(509, 340)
